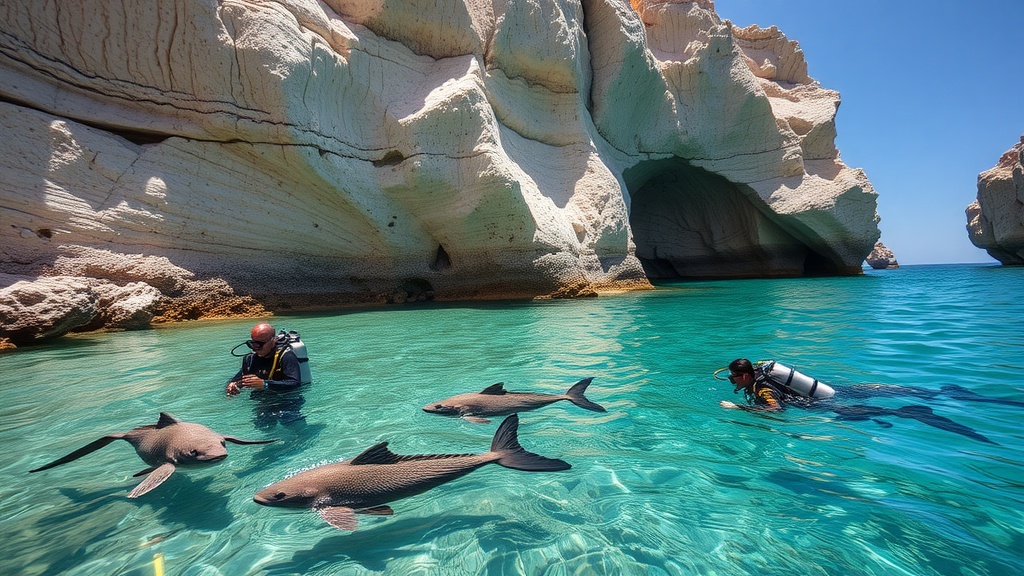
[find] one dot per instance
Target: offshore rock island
(995, 220)
(190, 159)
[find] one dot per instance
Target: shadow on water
(180, 500)
(923, 414)
(951, 391)
(372, 547)
(89, 520)
(917, 412)
(819, 487)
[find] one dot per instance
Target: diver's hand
(727, 404)
(232, 389)
(253, 381)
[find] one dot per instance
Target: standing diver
(275, 373)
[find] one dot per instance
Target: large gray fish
(366, 483)
(163, 446)
(496, 401)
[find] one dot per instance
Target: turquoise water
(665, 482)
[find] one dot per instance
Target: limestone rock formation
(243, 156)
(995, 220)
(881, 258)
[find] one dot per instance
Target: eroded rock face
(241, 157)
(995, 221)
(881, 258)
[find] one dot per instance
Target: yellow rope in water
(158, 565)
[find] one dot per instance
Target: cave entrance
(690, 223)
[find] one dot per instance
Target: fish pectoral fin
(377, 511)
(341, 517)
(155, 478)
(234, 440)
(88, 448)
(476, 419)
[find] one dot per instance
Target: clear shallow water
(665, 482)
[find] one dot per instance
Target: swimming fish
(496, 401)
(164, 446)
(365, 484)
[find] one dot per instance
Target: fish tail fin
(575, 395)
(511, 455)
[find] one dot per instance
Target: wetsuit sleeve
(241, 371)
(291, 377)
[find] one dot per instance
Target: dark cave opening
(689, 223)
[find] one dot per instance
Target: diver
(770, 386)
(275, 370)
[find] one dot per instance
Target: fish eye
(279, 496)
(193, 452)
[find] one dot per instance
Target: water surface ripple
(665, 482)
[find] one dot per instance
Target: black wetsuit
(286, 374)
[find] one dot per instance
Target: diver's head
(263, 340)
(741, 374)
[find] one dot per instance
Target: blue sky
(932, 95)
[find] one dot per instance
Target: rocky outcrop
(881, 258)
(995, 221)
(240, 156)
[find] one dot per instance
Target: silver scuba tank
(798, 382)
(298, 347)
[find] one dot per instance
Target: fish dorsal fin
(378, 454)
(495, 389)
(166, 420)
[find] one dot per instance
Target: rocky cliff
(241, 156)
(995, 221)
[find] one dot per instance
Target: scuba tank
(798, 382)
(298, 347)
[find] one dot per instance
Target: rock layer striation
(243, 156)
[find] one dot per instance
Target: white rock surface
(299, 153)
(995, 220)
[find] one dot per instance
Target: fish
(164, 446)
(377, 476)
(496, 401)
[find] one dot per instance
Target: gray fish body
(369, 485)
(181, 443)
(377, 476)
(164, 446)
(477, 404)
(496, 401)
